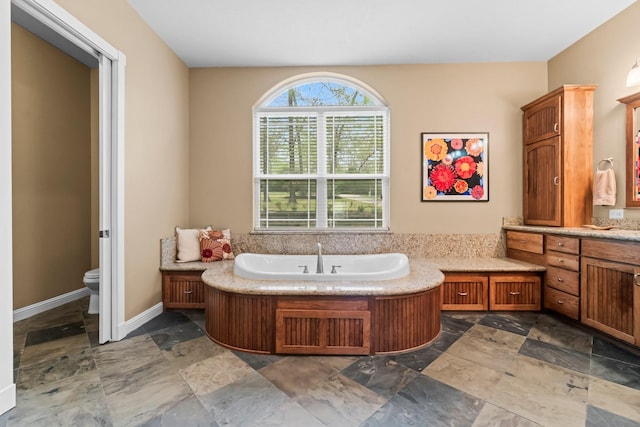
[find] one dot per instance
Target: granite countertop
(615, 234)
(425, 274)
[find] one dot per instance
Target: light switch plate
(616, 213)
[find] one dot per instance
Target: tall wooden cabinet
(558, 157)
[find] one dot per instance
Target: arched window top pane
(323, 94)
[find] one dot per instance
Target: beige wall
(604, 57)
(170, 181)
(156, 141)
(422, 98)
(51, 170)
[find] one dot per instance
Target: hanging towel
(604, 188)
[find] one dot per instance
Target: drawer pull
(560, 302)
(560, 260)
(636, 279)
(560, 244)
(560, 279)
(514, 293)
(188, 292)
(463, 294)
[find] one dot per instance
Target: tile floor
(484, 369)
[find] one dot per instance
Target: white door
(105, 197)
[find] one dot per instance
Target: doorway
(54, 25)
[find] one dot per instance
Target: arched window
(321, 156)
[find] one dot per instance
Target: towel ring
(606, 162)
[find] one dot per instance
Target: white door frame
(7, 387)
(111, 149)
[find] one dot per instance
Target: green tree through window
(321, 158)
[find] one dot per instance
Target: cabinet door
(465, 292)
(610, 299)
(543, 183)
(542, 121)
(514, 292)
(183, 289)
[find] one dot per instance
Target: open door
(55, 25)
(105, 197)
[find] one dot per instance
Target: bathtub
(368, 267)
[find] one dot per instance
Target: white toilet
(92, 281)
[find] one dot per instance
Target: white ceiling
(223, 33)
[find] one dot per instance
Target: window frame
(322, 175)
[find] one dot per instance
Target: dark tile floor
(485, 369)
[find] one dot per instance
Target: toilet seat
(92, 274)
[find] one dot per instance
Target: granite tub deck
(350, 317)
(329, 318)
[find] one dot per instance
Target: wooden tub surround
(328, 318)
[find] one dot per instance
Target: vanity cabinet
(183, 289)
(558, 158)
(562, 279)
(610, 295)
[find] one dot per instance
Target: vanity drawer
(183, 289)
(619, 251)
(562, 260)
(562, 302)
(465, 292)
(563, 280)
(570, 245)
(527, 242)
(514, 292)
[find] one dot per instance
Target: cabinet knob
(555, 127)
(462, 294)
(560, 244)
(560, 301)
(514, 293)
(559, 279)
(560, 260)
(636, 279)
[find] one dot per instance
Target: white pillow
(188, 244)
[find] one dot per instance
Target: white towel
(604, 188)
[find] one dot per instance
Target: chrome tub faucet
(320, 267)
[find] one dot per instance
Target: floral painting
(454, 167)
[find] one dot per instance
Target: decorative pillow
(215, 245)
(187, 244)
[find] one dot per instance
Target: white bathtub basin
(347, 267)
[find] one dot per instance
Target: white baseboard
(40, 307)
(7, 398)
(134, 323)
